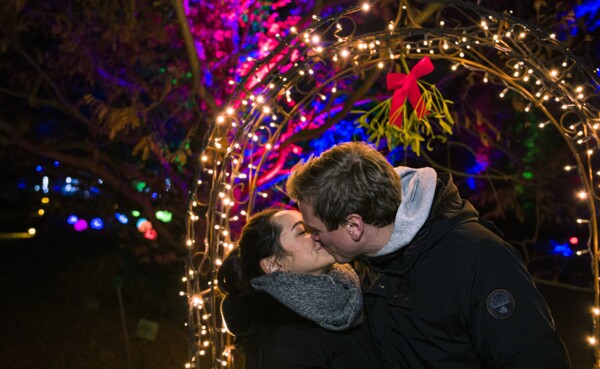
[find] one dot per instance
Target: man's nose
(315, 236)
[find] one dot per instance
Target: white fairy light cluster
(290, 91)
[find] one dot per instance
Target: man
(445, 291)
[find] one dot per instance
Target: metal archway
(314, 78)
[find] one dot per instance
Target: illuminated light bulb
(503, 92)
(188, 365)
(553, 72)
(40, 212)
(260, 99)
(522, 35)
(189, 242)
(316, 39)
(442, 23)
(568, 167)
(596, 311)
(485, 78)
(528, 107)
(391, 26)
(45, 200)
(181, 293)
(205, 343)
(196, 301)
(366, 6)
(184, 279)
(218, 262)
(204, 158)
(229, 110)
(454, 67)
(582, 195)
(579, 89)
(507, 34)
(333, 90)
(592, 340)
(345, 53)
(552, 35)
(231, 82)
(31, 231)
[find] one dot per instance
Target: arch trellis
(317, 76)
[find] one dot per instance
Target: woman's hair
(351, 177)
(259, 239)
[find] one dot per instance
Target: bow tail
(418, 103)
(396, 115)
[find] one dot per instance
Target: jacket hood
(418, 189)
(447, 209)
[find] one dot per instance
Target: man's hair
(349, 178)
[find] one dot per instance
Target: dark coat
(459, 297)
(273, 336)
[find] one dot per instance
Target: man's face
(337, 242)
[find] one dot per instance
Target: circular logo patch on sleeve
(500, 304)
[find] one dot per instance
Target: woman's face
(304, 254)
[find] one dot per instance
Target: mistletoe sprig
(394, 120)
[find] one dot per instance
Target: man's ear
(268, 265)
(355, 226)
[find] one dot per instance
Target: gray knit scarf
(333, 300)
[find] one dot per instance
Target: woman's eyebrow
(298, 222)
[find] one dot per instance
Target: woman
(288, 304)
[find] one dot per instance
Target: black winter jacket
(273, 336)
(459, 297)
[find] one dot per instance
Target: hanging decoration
(393, 120)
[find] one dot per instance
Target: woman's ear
(355, 226)
(268, 265)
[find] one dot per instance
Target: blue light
(72, 219)
(38, 168)
(591, 8)
(122, 218)
(562, 249)
(97, 223)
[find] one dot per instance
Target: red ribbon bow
(405, 85)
